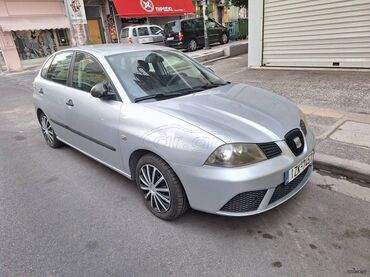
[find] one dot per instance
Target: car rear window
(124, 33)
(173, 26)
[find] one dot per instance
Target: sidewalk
(343, 141)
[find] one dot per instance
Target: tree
(239, 3)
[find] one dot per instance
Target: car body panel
(184, 131)
(191, 29)
(134, 35)
(236, 113)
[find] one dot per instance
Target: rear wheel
(224, 38)
(162, 190)
(48, 132)
(192, 45)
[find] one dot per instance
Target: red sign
(150, 8)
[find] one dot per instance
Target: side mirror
(103, 90)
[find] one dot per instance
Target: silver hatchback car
(184, 135)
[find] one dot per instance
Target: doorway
(94, 29)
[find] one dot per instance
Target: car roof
(117, 48)
(184, 19)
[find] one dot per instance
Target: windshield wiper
(157, 96)
(198, 89)
(177, 93)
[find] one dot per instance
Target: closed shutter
(317, 33)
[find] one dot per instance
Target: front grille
(295, 141)
(270, 149)
(283, 190)
(303, 127)
(244, 202)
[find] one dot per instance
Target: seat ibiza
(184, 135)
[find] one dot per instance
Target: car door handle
(70, 103)
(41, 91)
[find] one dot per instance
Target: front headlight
(236, 154)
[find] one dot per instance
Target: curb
(231, 50)
(348, 168)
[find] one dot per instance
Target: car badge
(298, 142)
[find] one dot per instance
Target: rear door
(213, 31)
(199, 30)
(125, 34)
(93, 122)
(156, 33)
(171, 32)
(51, 88)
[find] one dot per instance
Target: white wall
(255, 20)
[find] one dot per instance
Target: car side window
(87, 72)
(143, 31)
(134, 33)
(199, 23)
(211, 24)
(45, 69)
(155, 30)
(187, 26)
(58, 70)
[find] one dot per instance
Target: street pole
(205, 22)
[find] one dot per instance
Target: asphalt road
(63, 214)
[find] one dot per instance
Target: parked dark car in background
(189, 33)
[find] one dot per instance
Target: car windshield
(161, 73)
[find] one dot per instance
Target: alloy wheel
(155, 189)
(193, 45)
(47, 130)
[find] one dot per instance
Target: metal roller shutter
(317, 33)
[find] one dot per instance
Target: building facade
(321, 33)
(31, 30)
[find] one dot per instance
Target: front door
(94, 122)
(213, 31)
(93, 27)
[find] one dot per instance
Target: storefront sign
(76, 11)
(152, 8)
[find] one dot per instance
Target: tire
(192, 45)
(170, 201)
(224, 38)
(48, 132)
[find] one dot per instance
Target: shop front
(157, 12)
(32, 31)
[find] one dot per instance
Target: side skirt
(96, 159)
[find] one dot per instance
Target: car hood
(235, 113)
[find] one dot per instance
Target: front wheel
(162, 190)
(48, 132)
(224, 38)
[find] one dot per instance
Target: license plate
(170, 38)
(298, 169)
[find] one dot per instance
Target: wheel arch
(38, 113)
(135, 157)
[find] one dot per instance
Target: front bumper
(210, 188)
